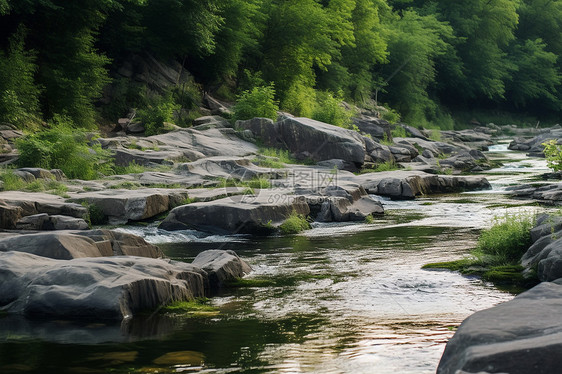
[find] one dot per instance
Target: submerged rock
(521, 336)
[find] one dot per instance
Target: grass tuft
(295, 224)
(497, 254)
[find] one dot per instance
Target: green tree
(414, 44)
(353, 72)
(19, 95)
(483, 30)
(536, 74)
(299, 37)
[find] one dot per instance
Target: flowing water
(341, 298)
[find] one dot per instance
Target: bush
(508, 239)
(299, 100)
(258, 102)
(62, 148)
(294, 224)
(553, 154)
(329, 109)
(390, 115)
(160, 110)
(398, 132)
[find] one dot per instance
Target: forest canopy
(425, 59)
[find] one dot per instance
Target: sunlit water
(343, 298)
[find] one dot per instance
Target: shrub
(294, 224)
(160, 110)
(390, 115)
(508, 239)
(11, 181)
(553, 154)
(329, 109)
(257, 102)
(398, 132)
(299, 100)
(63, 148)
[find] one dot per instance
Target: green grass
(274, 158)
(295, 224)
(398, 132)
(126, 185)
(508, 238)
(132, 168)
(194, 308)
(497, 254)
(385, 166)
(14, 183)
(257, 182)
(369, 219)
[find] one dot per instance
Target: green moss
(295, 224)
(250, 282)
(369, 219)
(456, 265)
(194, 308)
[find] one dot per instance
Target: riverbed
(340, 298)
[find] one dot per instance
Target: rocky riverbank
(212, 178)
(524, 335)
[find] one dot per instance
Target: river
(340, 298)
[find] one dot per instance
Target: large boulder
(545, 254)
(534, 145)
(93, 288)
(221, 267)
(307, 138)
(522, 336)
(121, 206)
(256, 214)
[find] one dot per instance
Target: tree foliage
(418, 56)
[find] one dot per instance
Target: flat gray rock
(241, 214)
(404, 184)
(522, 336)
(66, 245)
(93, 288)
(121, 206)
